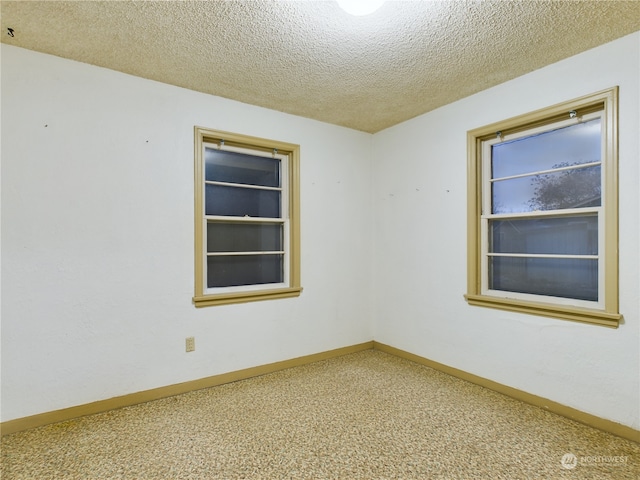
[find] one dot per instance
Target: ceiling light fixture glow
(360, 7)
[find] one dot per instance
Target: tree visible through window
(543, 212)
(571, 189)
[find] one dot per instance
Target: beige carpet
(368, 415)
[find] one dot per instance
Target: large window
(543, 212)
(246, 219)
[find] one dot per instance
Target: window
(543, 212)
(247, 245)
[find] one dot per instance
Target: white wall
(97, 235)
(97, 238)
(420, 247)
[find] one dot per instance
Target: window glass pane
(241, 202)
(573, 145)
(252, 237)
(244, 270)
(561, 236)
(567, 278)
(575, 188)
(233, 167)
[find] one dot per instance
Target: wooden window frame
(607, 311)
(290, 210)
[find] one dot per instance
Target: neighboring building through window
(247, 245)
(543, 212)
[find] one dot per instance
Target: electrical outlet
(190, 344)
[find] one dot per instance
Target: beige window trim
(605, 101)
(202, 298)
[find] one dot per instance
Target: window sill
(243, 297)
(597, 317)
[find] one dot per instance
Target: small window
(542, 223)
(246, 219)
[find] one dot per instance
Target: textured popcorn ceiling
(309, 58)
